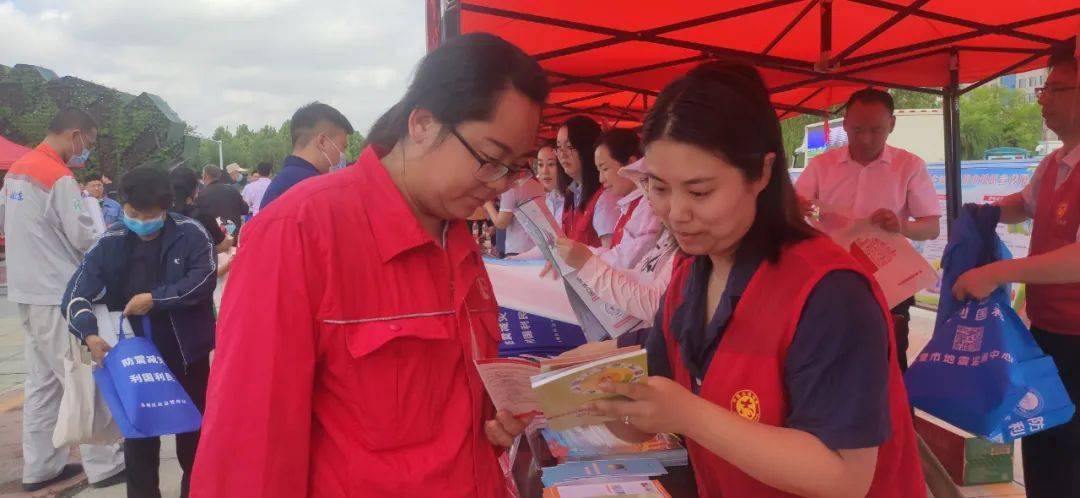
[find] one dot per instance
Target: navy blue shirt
(836, 368)
(293, 171)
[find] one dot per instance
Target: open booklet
(898, 268)
(558, 387)
(598, 320)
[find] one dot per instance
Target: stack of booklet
(601, 478)
(596, 442)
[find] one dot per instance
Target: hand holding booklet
(898, 268)
(560, 386)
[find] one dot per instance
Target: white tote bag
(84, 416)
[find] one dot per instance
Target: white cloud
(227, 62)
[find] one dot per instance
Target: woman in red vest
(771, 351)
(588, 216)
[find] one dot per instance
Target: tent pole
(951, 111)
(451, 19)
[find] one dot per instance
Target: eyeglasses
(491, 170)
(1043, 90)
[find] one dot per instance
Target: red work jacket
(344, 365)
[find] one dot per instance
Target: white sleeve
(1031, 191)
(621, 289)
(639, 236)
(66, 206)
(606, 215)
(922, 199)
(508, 201)
(806, 184)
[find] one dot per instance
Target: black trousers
(142, 456)
(1052, 457)
(901, 317)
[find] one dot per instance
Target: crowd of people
(357, 302)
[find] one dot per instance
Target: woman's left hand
(658, 405)
(502, 429)
(573, 252)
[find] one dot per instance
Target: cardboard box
(968, 459)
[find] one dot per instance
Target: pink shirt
(897, 180)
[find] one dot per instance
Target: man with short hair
(255, 190)
(320, 135)
(870, 179)
(160, 265)
(47, 230)
(110, 209)
(1051, 271)
(220, 199)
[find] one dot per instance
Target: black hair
(146, 187)
(872, 96)
(461, 81)
(1063, 53)
(264, 169)
(622, 144)
(213, 172)
(185, 184)
(305, 119)
(72, 118)
(92, 177)
(724, 108)
(583, 133)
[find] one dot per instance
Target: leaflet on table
(601, 471)
(898, 268)
(597, 442)
(598, 320)
(562, 393)
(623, 489)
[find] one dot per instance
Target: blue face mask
(143, 228)
(80, 159)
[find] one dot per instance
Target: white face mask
(80, 158)
(340, 164)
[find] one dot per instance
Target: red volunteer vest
(746, 375)
(578, 226)
(1055, 307)
(623, 220)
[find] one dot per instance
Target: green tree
(905, 99)
(793, 130)
(994, 116)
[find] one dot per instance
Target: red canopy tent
(9, 152)
(610, 58)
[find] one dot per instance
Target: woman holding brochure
(778, 393)
(359, 302)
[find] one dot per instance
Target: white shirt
(639, 233)
(554, 202)
(517, 239)
(605, 215)
(897, 180)
(1066, 162)
(253, 194)
(638, 292)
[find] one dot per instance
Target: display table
(534, 455)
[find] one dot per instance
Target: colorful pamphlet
(602, 471)
(624, 489)
(561, 393)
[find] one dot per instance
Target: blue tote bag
(144, 397)
(982, 371)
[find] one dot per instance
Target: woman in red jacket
(359, 302)
(588, 216)
(771, 350)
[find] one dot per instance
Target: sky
(227, 62)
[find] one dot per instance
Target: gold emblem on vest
(746, 404)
